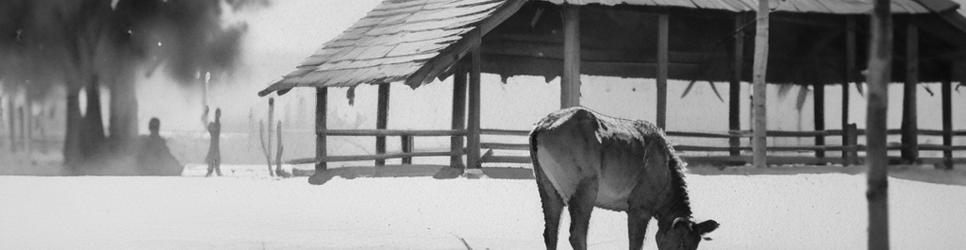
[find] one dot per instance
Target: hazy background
(280, 35)
(286, 32)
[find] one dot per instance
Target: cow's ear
(706, 227)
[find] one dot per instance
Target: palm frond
(802, 96)
(715, 89)
(688, 89)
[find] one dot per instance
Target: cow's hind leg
(581, 206)
(637, 220)
(552, 207)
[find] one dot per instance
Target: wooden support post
(407, 147)
(759, 141)
(570, 82)
(734, 92)
(910, 140)
(662, 62)
(819, 119)
(878, 78)
(459, 115)
(473, 122)
(321, 104)
(382, 115)
(848, 78)
(947, 103)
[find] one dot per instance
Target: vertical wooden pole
(382, 115)
(459, 115)
(662, 62)
(819, 119)
(847, 79)
(880, 60)
(407, 147)
(759, 141)
(947, 103)
(321, 104)
(910, 140)
(570, 83)
(852, 153)
(473, 122)
(734, 91)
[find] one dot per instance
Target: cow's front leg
(637, 220)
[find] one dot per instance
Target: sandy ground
(244, 210)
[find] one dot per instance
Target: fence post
(852, 151)
(407, 147)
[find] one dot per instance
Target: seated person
(153, 157)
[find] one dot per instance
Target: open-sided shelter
(813, 42)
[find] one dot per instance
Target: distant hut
(814, 42)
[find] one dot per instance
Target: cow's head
(684, 234)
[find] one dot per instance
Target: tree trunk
(880, 60)
(123, 116)
(92, 132)
(13, 126)
(759, 140)
(72, 139)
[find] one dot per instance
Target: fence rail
(406, 141)
(370, 157)
(850, 148)
(391, 132)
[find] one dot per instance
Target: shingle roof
(399, 38)
(800, 6)
(391, 43)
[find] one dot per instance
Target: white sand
(805, 211)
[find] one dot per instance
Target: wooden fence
(850, 148)
(407, 145)
(731, 155)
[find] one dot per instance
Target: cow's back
(575, 144)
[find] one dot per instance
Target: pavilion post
(382, 115)
(570, 82)
(473, 122)
(734, 85)
(759, 139)
(459, 115)
(321, 104)
(947, 112)
(847, 79)
(662, 62)
(910, 140)
(878, 78)
(819, 119)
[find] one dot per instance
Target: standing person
(214, 152)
